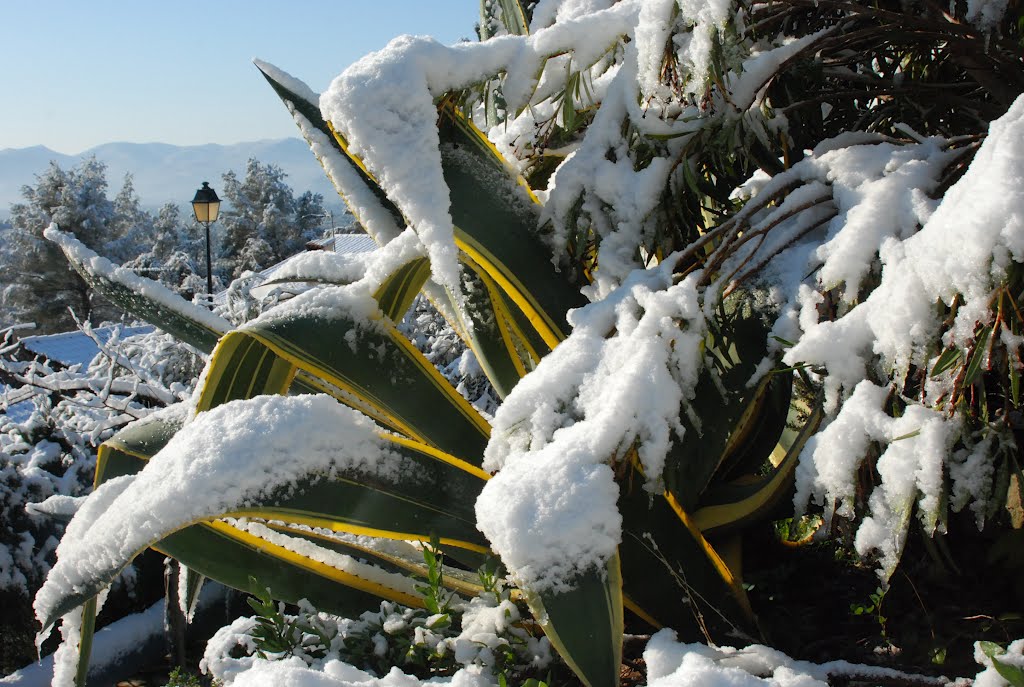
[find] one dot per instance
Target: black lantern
(206, 206)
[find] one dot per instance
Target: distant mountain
(165, 173)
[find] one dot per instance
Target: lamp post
(206, 206)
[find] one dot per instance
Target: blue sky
(77, 74)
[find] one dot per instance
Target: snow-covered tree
(38, 285)
(263, 220)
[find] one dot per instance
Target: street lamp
(206, 206)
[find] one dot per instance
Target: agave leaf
(495, 216)
(228, 554)
(730, 505)
(672, 574)
(433, 494)
(585, 624)
(476, 325)
(305, 105)
(87, 632)
(729, 412)
(416, 402)
(398, 291)
(144, 298)
(418, 494)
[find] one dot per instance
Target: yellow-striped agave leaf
(585, 624)
(146, 299)
(229, 552)
(497, 348)
(728, 505)
(370, 360)
(432, 493)
(299, 99)
(495, 221)
(737, 423)
(673, 576)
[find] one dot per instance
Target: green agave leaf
(310, 111)
(88, 631)
(396, 294)
(495, 217)
(223, 552)
(433, 493)
(146, 299)
(672, 575)
(414, 399)
(730, 505)
(585, 624)
(229, 555)
(729, 421)
(476, 325)
(405, 560)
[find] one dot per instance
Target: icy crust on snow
(149, 288)
(226, 458)
(618, 381)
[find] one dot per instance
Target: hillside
(167, 173)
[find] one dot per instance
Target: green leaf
(398, 291)
(585, 624)
(727, 506)
(495, 218)
(978, 355)
(497, 347)
(351, 355)
(309, 110)
(947, 361)
(1009, 672)
(672, 575)
(730, 413)
(88, 631)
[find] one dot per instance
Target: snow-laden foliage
(635, 115)
(55, 419)
(482, 637)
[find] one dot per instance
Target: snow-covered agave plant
(642, 425)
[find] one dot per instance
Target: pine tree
(264, 222)
(38, 284)
(172, 256)
(131, 225)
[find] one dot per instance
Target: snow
(858, 223)
(179, 487)
(77, 348)
(619, 380)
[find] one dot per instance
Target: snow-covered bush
(54, 420)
